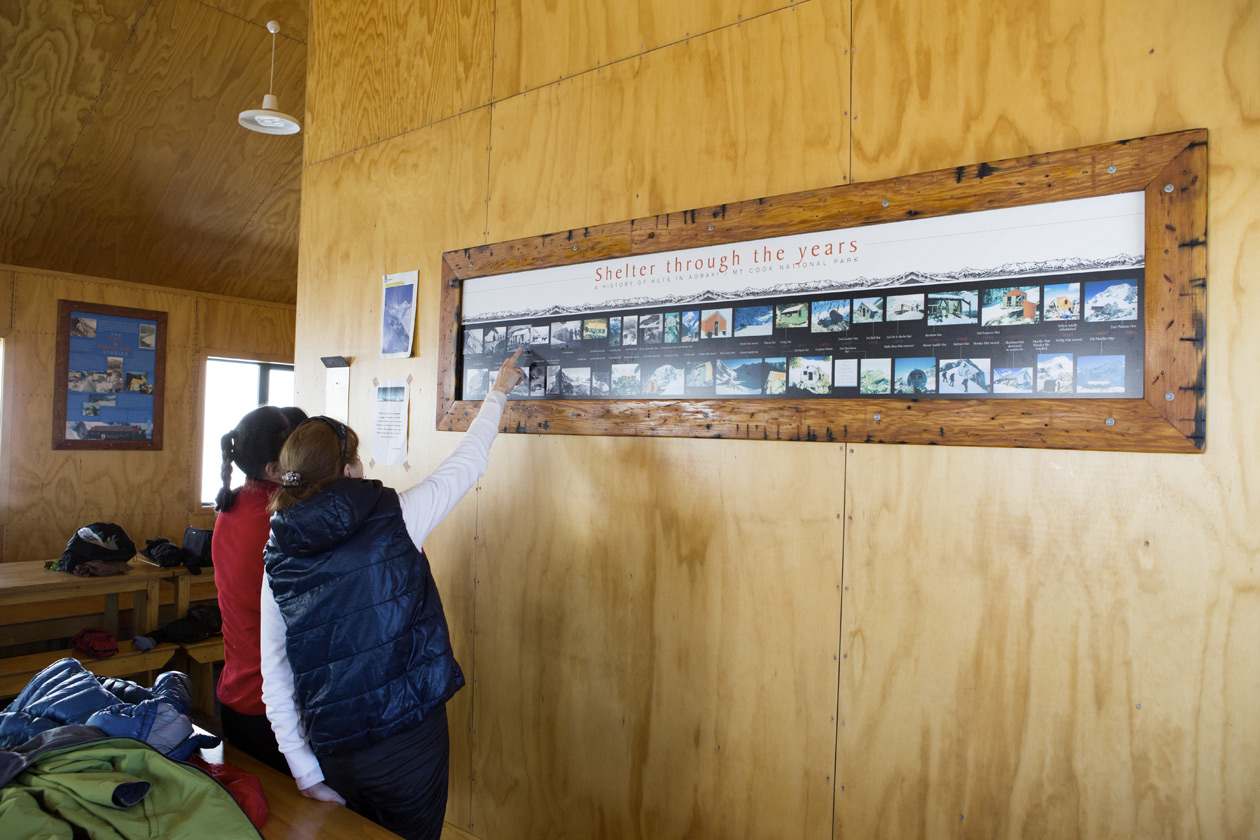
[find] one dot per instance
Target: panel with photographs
(1067, 336)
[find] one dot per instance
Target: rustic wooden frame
(62, 369)
(1170, 168)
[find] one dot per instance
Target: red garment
(237, 549)
(245, 788)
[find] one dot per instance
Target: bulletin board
(1051, 301)
(109, 377)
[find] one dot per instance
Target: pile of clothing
(82, 755)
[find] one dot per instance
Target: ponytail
(227, 496)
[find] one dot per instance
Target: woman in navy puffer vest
(356, 656)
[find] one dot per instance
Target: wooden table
(28, 582)
(292, 815)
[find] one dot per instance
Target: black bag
(99, 541)
(197, 543)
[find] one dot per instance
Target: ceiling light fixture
(269, 120)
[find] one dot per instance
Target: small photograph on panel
(651, 328)
(595, 329)
(905, 307)
(1013, 380)
(775, 383)
(1100, 374)
(1009, 305)
(753, 321)
(519, 391)
(493, 339)
(1055, 373)
(475, 383)
(614, 332)
(953, 306)
(876, 376)
(625, 380)
(964, 376)
(518, 336)
(92, 407)
(1109, 300)
(665, 381)
(739, 377)
(809, 375)
(601, 384)
(148, 335)
(575, 382)
(699, 377)
(846, 373)
(791, 315)
(829, 316)
(868, 310)
(916, 375)
(540, 334)
(137, 381)
(472, 342)
(553, 380)
(81, 327)
(715, 323)
(630, 331)
(537, 380)
(673, 327)
(564, 334)
(1062, 302)
(690, 326)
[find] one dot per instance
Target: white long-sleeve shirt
(423, 507)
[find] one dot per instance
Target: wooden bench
(202, 657)
(17, 671)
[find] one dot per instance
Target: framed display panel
(110, 377)
(1052, 301)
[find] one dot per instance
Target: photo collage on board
(1069, 335)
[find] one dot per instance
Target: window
(235, 387)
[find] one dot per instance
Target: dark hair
(253, 444)
(316, 454)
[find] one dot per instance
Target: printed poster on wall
(110, 363)
(1036, 301)
(398, 314)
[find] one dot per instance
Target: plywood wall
(724, 639)
(45, 495)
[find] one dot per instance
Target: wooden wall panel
(696, 123)
(537, 44)
(1008, 611)
(379, 70)
(55, 61)
(385, 209)
(49, 493)
(647, 666)
(131, 203)
(1068, 630)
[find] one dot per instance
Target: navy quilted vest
(365, 632)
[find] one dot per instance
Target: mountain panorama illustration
(1066, 265)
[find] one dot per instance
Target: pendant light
(269, 120)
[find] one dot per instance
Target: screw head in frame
(1169, 396)
(1168, 187)
(884, 203)
(1111, 170)
(710, 227)
(1111, 421)
(877, 417)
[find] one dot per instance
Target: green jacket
(113, 787)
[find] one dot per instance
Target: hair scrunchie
(292, 478)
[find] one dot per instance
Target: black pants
(252, 735)
(399, 783)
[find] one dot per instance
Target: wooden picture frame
(112, 396)
(1171, 172)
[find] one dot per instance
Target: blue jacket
(66, 693)
(364, 629)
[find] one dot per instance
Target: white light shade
(269, 120)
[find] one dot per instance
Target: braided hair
(252, 445)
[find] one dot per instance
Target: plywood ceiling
(120, 152)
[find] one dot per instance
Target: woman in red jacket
(240, 533)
